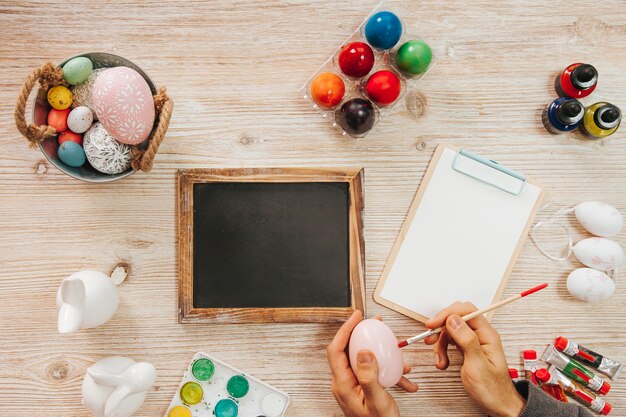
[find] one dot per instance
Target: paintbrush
(473, 315)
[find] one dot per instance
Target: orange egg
(71, 136)
(58, 119)
(327, 89)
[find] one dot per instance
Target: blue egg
(72, 154)
(383, 30)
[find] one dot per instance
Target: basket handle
(163, 104)
(48, 75)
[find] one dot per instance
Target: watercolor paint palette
(211, 388)
(369, 74)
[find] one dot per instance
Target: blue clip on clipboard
(514, 187)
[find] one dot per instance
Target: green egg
(77, 70)
(72, 154)
(414, 57)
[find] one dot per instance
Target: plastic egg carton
(355, 87)
(253, 404)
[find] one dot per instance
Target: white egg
(599, 253)
(80, 119)
(588, 284)
(599, 218)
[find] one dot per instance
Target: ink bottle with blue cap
(563, 115)
(601, 120)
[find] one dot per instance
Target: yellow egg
(60, 97)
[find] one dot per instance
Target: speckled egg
(124, 104)
(80, 119)
(71, 153)
(104, 153)
(60, 97)
(83, 91)
(77, 70)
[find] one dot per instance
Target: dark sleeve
(540, 404)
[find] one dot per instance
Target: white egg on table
(588, 284)
(378, 338)
(599, 253)
(599, 218)
(80, 119)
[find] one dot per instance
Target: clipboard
(461, 237)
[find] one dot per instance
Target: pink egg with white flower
(124, 104)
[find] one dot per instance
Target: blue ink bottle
(563, 115)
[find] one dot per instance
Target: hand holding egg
(358, 389)
(376, 337)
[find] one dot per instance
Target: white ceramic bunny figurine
(117, 386)
(86, 299)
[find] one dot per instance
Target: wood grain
(234, 69)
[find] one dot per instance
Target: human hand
(484, 372)
(358, 391)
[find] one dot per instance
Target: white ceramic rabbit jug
(117, 386)
(86, 299)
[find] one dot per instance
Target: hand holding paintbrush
(473, 315)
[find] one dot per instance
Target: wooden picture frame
(188, 177)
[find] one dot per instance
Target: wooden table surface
(233, 70)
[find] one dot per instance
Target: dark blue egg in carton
(369, 74)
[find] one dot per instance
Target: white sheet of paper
(460, 241)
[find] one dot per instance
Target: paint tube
(575, 371)
(515, 376)
(530, 365)
(550, 385)
(579, 393)
(555, 391)
(607, 366)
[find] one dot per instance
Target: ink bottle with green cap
(601, 120)
(576, 81)
(563, 115)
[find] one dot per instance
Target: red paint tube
(530, 365)
(550, 385)
(575, 371)
(607, 366)
(515, 375)
(579, 393)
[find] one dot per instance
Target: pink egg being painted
(375, 336)
(124, 105)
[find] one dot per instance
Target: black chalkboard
(271, 245)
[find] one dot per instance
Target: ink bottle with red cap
(601, 120)
(563, 115)
(576, 81)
